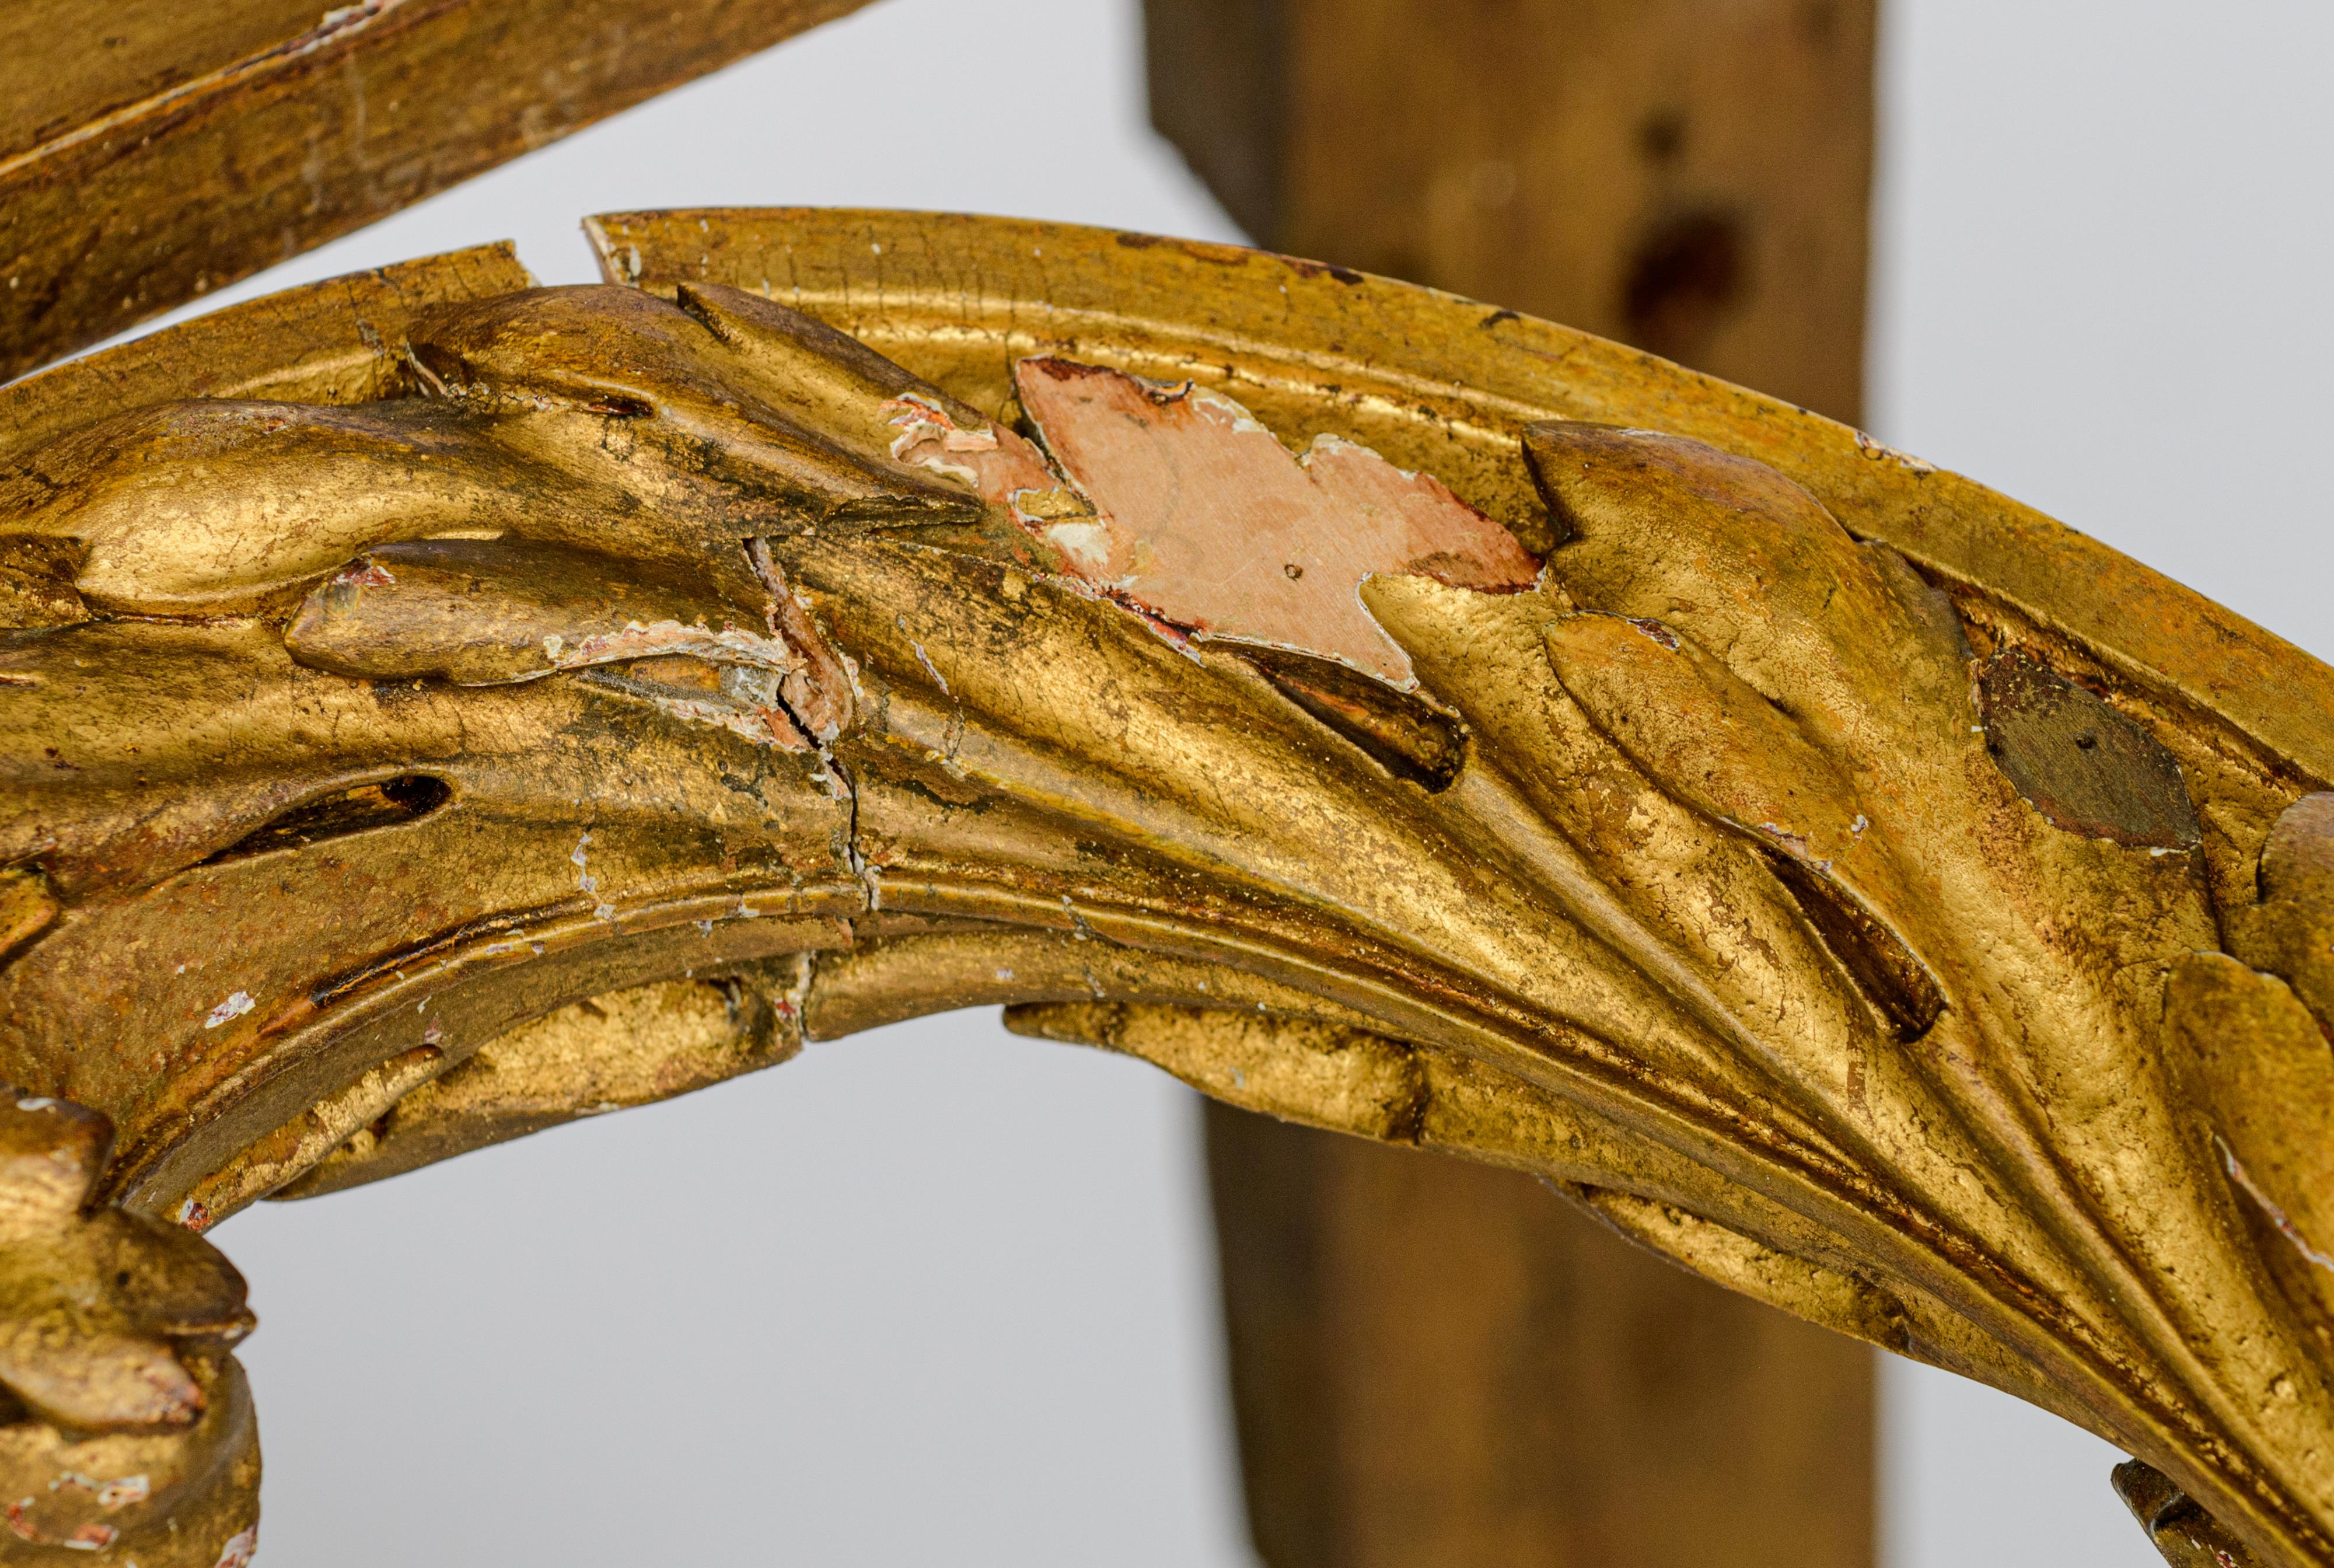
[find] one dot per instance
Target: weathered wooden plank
(1692, 178)
(150, 152)
(1687, 175)
(1441, 1363)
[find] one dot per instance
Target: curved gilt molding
(440, 709)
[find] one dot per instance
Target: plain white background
(937, 1294)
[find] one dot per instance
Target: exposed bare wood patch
(994, 460)
(1202, 517)
(1182, 505)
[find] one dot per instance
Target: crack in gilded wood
(1690, 868)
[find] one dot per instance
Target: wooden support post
(1691, 176)
(1441, 1363)
(1435, 1363)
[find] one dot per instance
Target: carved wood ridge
(438, 708)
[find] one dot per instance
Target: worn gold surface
(1807, 897)
(152, 151)
(126, 1428)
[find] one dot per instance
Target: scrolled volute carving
(1828, 923)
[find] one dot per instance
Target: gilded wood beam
(152, 151)
(1843, 880)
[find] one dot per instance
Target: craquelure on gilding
(1390, 714)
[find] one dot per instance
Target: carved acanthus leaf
(1811, 915)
